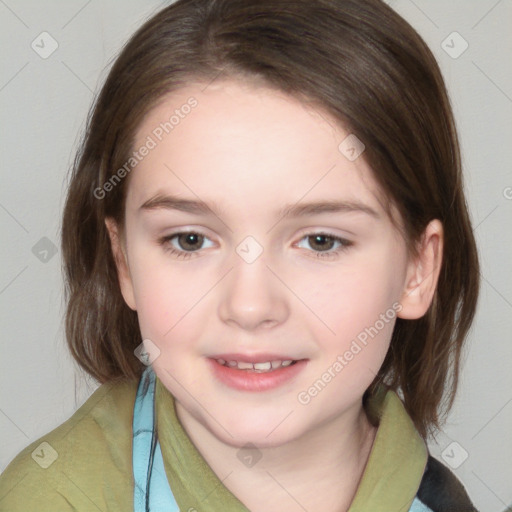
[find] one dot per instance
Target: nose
(253, 297)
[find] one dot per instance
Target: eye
(189, 242)
(323, 242)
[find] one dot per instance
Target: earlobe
(121, 261)
(423, 273)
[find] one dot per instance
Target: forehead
(246, 146)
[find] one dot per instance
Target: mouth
(262, 367)
(260, 373)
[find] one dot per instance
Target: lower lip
(246, 380)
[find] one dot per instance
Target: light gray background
(44, 103)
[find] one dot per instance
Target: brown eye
(189, 241)
(184, 244)
(321, 242)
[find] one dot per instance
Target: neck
(320, 470)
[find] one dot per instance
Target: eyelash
(345, 244)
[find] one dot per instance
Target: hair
(357, 60)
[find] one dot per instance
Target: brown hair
(359, 61)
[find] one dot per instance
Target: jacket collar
(390, 480)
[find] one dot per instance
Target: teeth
(262, 366)
(258, 367)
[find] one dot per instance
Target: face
(241, 281)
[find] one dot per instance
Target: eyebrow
(295, 210)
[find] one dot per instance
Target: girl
(270, 268)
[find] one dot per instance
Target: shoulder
(441, 490)
(82, 464)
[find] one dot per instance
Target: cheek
(170, 301)
(357, 307)
(352, 298)
(153, 296)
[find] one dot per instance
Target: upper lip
(254, 358)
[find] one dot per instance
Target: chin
(264, 434)
(257, 440)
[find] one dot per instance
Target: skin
(252, 150)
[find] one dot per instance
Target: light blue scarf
(148, 464)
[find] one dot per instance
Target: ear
(121, 260)
(423, 273)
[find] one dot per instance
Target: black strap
(442, 491)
